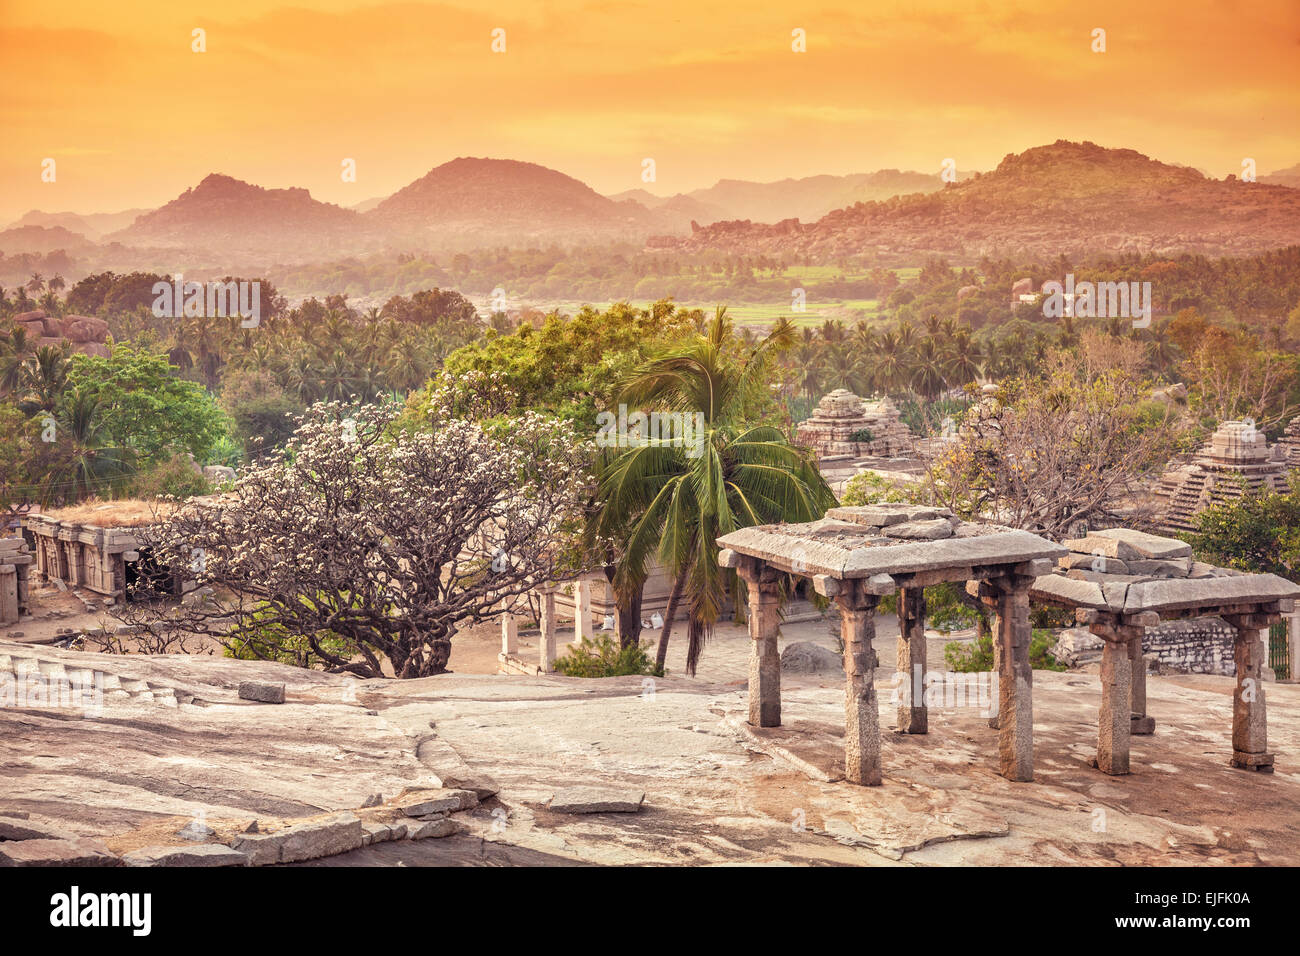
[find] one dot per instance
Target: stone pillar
(912, 714)
(763, 586)
(1015, 680)
(581, 610)
(1115, 721)
(861, 712)
(546, 643)
(1293, 645)
(8, 593)
(1249, 720)
(509, 634)
(996, 627)
(1142, 725)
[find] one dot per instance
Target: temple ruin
(98, 551)
(15, 563)
(1289, 444)
(844, 424)
(1121, 583)
(1236, 461)
(855, 556)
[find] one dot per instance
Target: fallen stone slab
(1094, 562)
(1162, 568)
(1147, 545)
(302, 841)
(1102, 546)
(12, 828)
(261, 692)
(596, 800)
(380, 833)
(931, 530)
(421, 803)
(81, 851)
(432, 829)
(209, 854)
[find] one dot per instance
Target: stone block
(932, 530)
(423, 802)
(80, 851)
(1147, 545)
(302, 841)
(209, 854)
(262, 692)
(442, 827)
(1100, 546)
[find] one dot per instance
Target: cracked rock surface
(715, 791)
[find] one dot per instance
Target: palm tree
(676, 500)
(963, 361)
(85, 464)
(44, 377)
(36, 283)
(13, 356)
(927, 369)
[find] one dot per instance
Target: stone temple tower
(1237, 461)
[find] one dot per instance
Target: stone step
(52, 669)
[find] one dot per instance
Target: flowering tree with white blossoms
(368, 538)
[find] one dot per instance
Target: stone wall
(1202, 645)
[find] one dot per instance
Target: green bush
(944, 609)
(968, 658)
(273, 642)
(869, 488)
(176, 477)
(604, 658)
(862, 435)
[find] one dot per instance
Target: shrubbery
(604, 658)
(968, 658)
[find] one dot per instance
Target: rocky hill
(41, 239)
(92, 225)
(1071, 198)
(235, 217)
(502, 200)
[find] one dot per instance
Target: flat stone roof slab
(1187, 594)
(847, 549)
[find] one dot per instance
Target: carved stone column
(912, 714)
(861, 710)
(1249, 715)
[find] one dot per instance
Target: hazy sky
(709, 89)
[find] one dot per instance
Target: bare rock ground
(716, 790)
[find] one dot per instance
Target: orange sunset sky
(710, 90)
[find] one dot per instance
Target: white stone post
(509, 634)
(546, 643)
(581, 610)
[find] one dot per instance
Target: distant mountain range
(1066, 197)
(807, 199)
(1071, 198)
